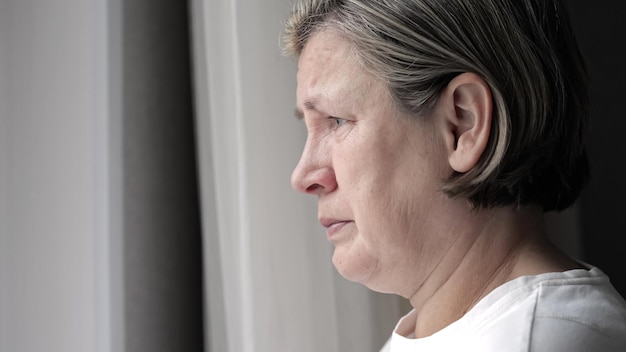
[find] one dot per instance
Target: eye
(338, 121)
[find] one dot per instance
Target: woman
(439, 133)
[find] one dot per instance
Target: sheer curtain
(269, 281)
(60, 277)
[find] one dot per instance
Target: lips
(328, 222)
(333, 226)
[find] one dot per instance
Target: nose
(314, 173)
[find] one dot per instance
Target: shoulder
(556, 334)
(582, 313)
(573, 311)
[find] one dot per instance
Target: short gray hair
(525, 51)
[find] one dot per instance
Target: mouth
(333, 226)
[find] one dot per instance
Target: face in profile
(376, 172)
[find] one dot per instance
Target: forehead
(329, 71)
(325, 50)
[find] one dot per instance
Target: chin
(360, 272)
(354, 267)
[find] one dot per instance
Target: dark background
(601, 32)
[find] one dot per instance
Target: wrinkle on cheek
(407, 215)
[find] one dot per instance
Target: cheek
(396, 199)
(392, 218)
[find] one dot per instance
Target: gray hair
(524, 50)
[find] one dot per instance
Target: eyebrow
(308, 105)
(298, 114)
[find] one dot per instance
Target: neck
(493, 246)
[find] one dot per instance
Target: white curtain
(269, 281)
(60, 213)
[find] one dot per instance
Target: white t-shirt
(572, 311)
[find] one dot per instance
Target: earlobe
(469, 122)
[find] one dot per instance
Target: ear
(467, 120)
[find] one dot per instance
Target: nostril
(313, 188)
(310, 178)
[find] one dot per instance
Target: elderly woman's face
(376, 172)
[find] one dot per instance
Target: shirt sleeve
(566, 335)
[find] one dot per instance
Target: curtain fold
(269, 281)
